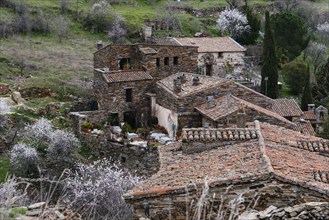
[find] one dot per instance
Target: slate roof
(229, 104)
(211, 44)
(188, 88)
(286, 107)
(277, 153)
(126, 76)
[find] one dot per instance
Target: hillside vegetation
(63, 61)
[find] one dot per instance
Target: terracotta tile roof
(293, 164)
(275, 153)
(205, 82)
(309, 115)
(218, 134)
(126, 76)
(229, 104)
(212, 44)
(305, 127)
(286, 107)
(178, 170)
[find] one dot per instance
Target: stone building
(224, 169)
(124, 74)
(217, 56)
(186, 100)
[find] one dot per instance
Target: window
(166, 61)
(175, 60)
(123, 159)
(124, 63)
(158, 62)
(129, 93)
(220, 55)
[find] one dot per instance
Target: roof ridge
(262, 147)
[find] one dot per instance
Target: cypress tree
(307, 97)
(269, 64)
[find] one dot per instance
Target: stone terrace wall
(77, 119)
(269, 190)
(137, 160)
(311, 210)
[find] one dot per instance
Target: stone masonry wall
(187, 60)
(310, 210)
(109, 56)
(189, 102)
(112, 96)
(137, 160)
(252, 115)
(259, 192)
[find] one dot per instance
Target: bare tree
(61, 28)
(117, 30)
(316, 53)
(286, 5)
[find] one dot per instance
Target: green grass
(4, 168)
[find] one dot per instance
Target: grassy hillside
(66, 67)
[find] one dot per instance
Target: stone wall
(189, 102)
(189, 120)
(250, 116)
(311, 210)
(112, 97)
(110, 56)
(260, 192)
(219, 60)
(77, 118)
(135, 159)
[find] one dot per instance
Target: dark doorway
(208, 70)
(130, 118)
(124, 63)
(113, 119)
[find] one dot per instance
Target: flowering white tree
(233, 23)
(24, 159)
(58, 146)
(62, 147)
(96, 191)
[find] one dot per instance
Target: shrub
(126, 128)
(24, 160)
(97, 191)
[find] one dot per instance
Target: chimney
(210, 102)
(310, 107)
(177, 85)
(241, 120)
(183, 78)
(196, 81)
(99, 45)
